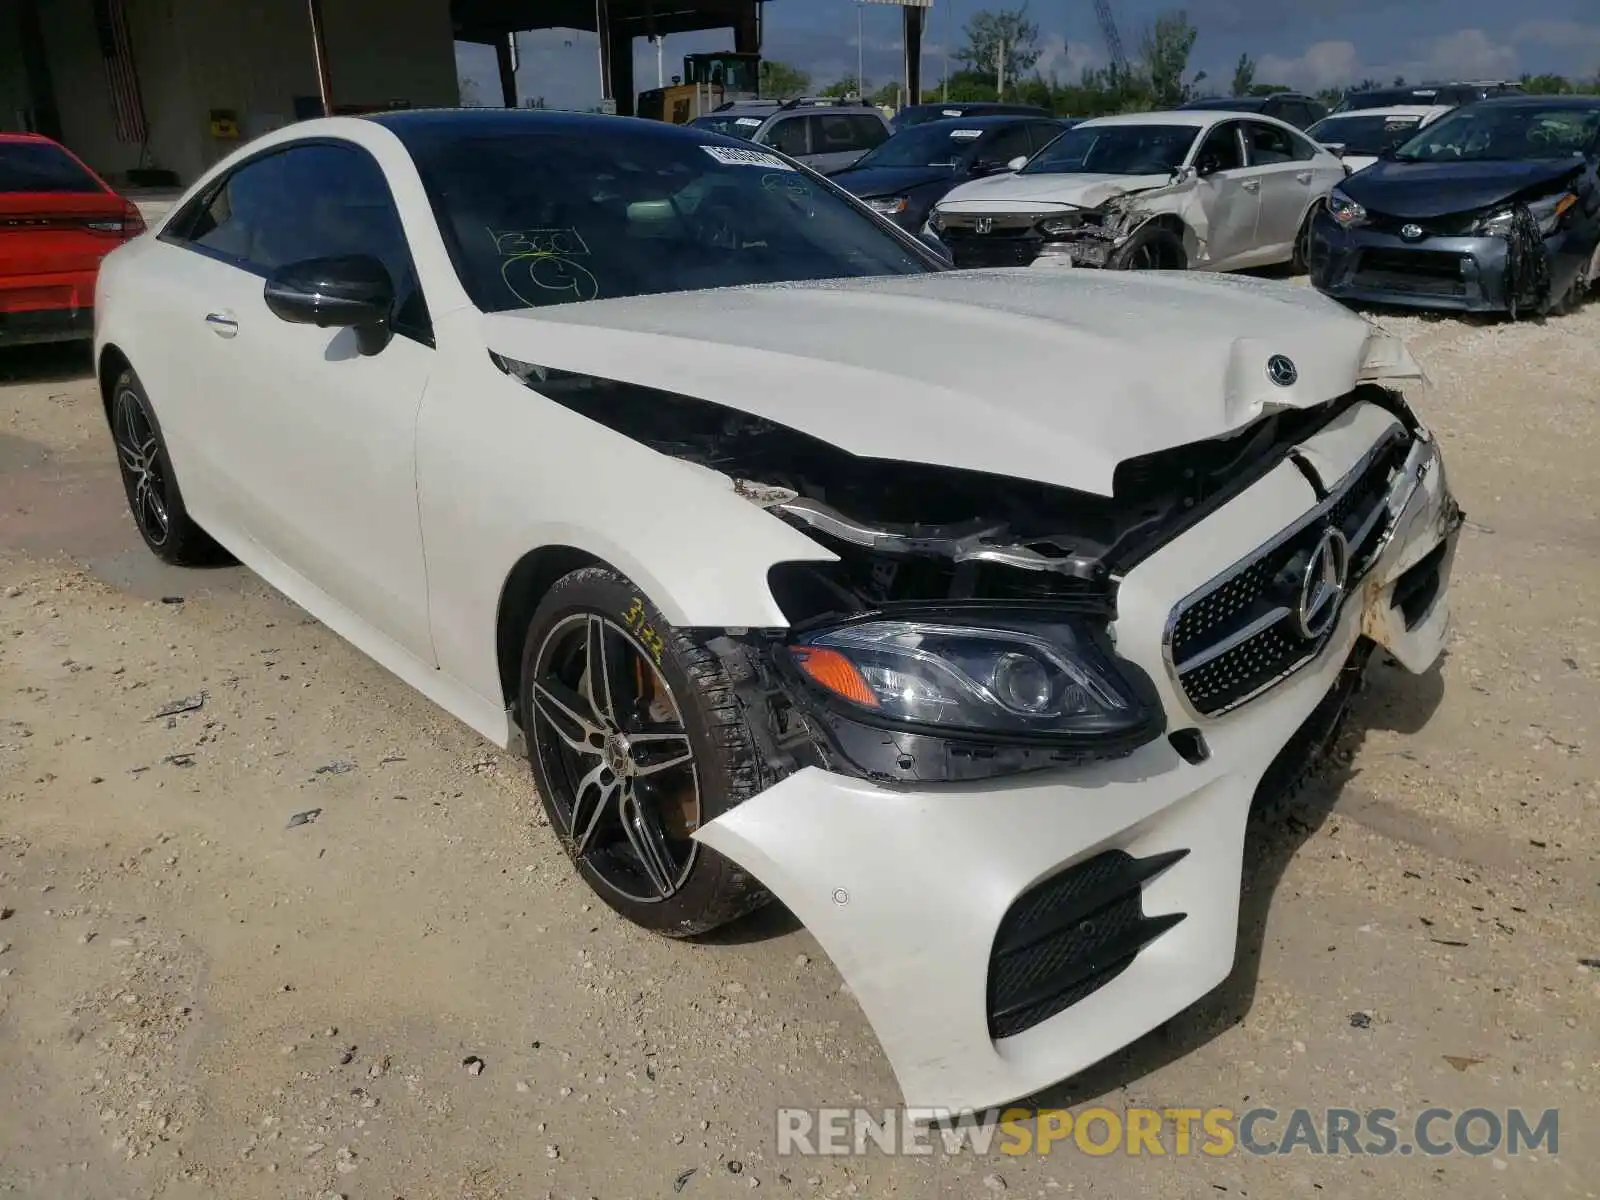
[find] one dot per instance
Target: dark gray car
(1492, 208)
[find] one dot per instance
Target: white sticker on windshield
(731, 156)
(966, 134)
(954, 112)
(748, 121)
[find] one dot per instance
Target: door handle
(1303, 176)
(222, 324)
(1251, 185)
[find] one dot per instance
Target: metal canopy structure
(618, 23)
(915, 15)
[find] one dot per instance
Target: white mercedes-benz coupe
(966, 613)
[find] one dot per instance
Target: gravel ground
(409, 995)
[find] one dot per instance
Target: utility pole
(661, 62)
(1000, 71)
(861, 54)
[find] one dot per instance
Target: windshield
(1488, 132)
(1115, 150)
(1365, 135)
(41, 167)
(536, 219)
(929, 145)
(729, 126)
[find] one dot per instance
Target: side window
(1006, 145)
(1220, 150)
(312, 201)
(788, 136)
(833, 133)
(1270, 145)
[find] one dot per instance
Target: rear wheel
(154, 498)
(1153, 248)
(636, 740)
(1301, 263)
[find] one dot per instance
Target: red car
(58, 219)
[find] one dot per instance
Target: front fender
(502, 471)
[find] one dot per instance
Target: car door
(314, 443)
(1229, 197)
(787, 135)
(1285, 164)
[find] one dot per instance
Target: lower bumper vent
(1067, 937)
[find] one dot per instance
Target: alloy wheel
(613, 747)
(143, 471)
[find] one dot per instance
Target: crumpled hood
(888, 181)
(1016, 192)
(1050, 376)
(1418, 191)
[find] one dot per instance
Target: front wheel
(1152, 248)
(636, 740)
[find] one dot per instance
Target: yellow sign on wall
(224, 123)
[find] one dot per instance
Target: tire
(1152, 248)
(154, 499)
(624, 807)
(1300, 263)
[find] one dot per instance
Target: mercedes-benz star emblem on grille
(1282, 371)
(1323, 585)
(1411, 232)
(983, 225)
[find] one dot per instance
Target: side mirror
(1335, 148)
(1017, 163)
(1206, 167)
(1185, 174)
(348, 292)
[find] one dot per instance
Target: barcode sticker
(731, 156)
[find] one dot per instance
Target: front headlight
(889, 206)
(1033, 677)
(1345, 210)
(1546, 214)
(1056, 226)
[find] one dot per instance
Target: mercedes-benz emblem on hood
(1322, 587)
(1282, 371)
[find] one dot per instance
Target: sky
(1306, 44)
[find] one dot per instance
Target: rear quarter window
(41, 167)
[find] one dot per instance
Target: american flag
(111, 22)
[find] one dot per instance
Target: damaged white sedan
(934, 604)
(1206, 190)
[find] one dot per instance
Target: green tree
(780, 81)
(844, 87)
(1244, 76)
(1269, 89)
(1002, 45)
(1164, 54)
(888, 96)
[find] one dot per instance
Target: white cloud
(1066, 61)
(1464, 54)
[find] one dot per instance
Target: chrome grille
(1239, 634)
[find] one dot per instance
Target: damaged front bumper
(1459, 274)
(1003, 935)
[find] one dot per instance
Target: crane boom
(1108, 29)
